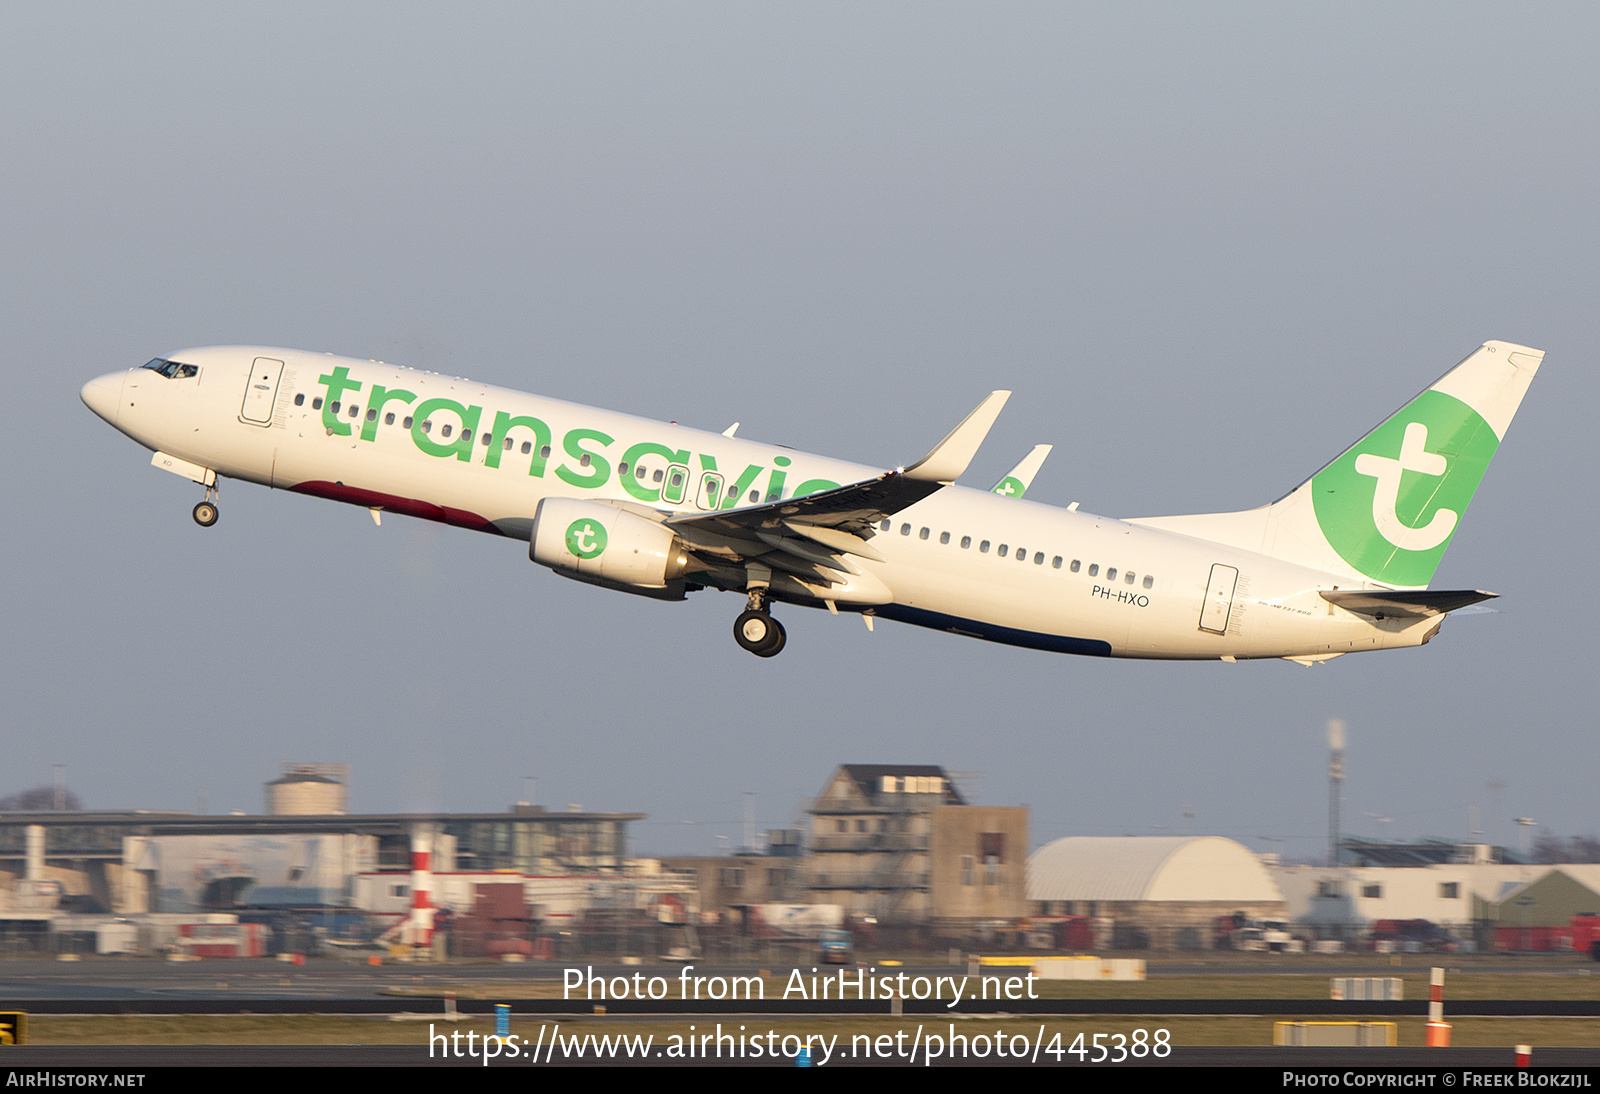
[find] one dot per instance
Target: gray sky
(1208, 245)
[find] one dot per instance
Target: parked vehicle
(1263, 936)
(836, 948)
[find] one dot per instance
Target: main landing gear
(756, 630)
(759, 633)
(205, 514)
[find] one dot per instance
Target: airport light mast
(1335, 785)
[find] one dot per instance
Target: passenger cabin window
(508, 444)
(1127, 578)
(884, 527)
(1149, 582)
(1002, 551)
(657, 477)
(1074, 566)
(427, 425)
(983, 548)
(1094, 569)
(1055, 563)
(372, 415)
(445, 431)
(407, 423)
(334, 406)
(622, 469)
(300, 400)
(923, 534)
(544, 451)
(354, 410)
(527, 447)
(1111, 573)
(316, 404)
(905, 529)
(944, 537)
(585, 461)
(487, 438)
(966, 541)
(388, 419)
(1038, 558)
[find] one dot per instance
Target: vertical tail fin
(1386, 508)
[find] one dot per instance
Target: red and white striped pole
(420, 927)
(1438, 1034)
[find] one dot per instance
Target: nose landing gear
(205, 513)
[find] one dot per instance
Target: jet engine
(606, 545)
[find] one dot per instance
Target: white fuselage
(962, 560)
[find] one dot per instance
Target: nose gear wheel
(205, 513)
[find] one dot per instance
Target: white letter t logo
(1386, 495)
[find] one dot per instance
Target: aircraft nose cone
(103, 395)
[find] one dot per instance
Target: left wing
(819, 530)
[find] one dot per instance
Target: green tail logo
(1390, 504)
(1011, 487)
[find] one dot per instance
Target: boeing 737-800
(1338, 565)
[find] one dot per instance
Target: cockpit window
(173, 370)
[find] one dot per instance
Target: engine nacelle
(602, 542)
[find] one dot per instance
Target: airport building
(1473, 903)
(895, 853)
(1150, 892)
(900, 845)
(306, 861)
(746, 879)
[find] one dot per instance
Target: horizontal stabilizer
(1396, 605)
(950, 457)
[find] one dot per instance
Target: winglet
(1015, 483)
(950, 456)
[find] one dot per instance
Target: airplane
(1340, 564)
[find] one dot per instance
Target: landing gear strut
(755, 629)
(205, 514)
